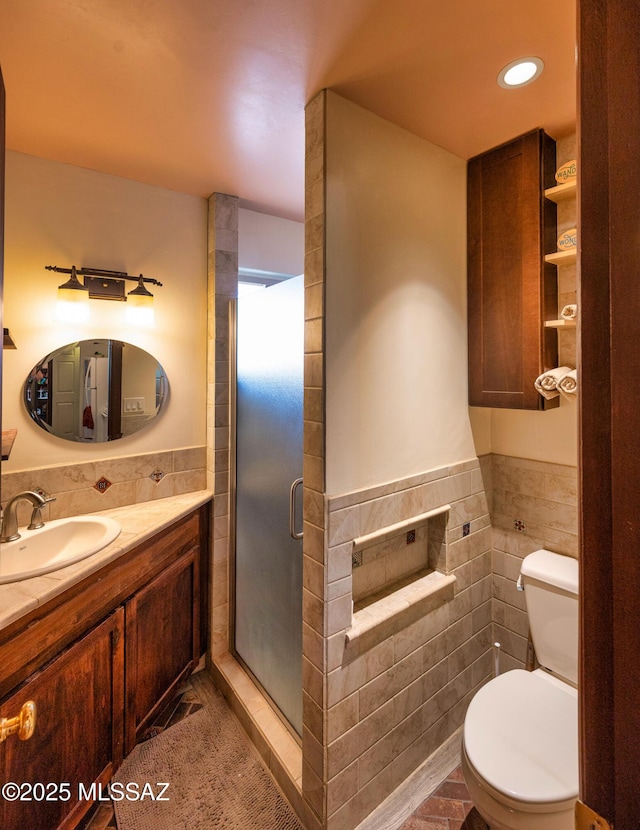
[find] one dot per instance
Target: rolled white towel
(568, 385)
(569, 312)
(547, 382)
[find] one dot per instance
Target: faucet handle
(36, 516)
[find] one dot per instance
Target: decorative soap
(567, 172)
(568, 240)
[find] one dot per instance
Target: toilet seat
(521, 737)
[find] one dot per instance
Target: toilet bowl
(520, 739)
(520, 752)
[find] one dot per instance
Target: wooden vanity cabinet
(511, 290)
(100, 661)
(162, 641)
(78, 734)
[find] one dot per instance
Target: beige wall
(541, 436)
(58, 214)
(396, 335)
(269, 243)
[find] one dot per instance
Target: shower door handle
(292, 509)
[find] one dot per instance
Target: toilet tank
(551, 595)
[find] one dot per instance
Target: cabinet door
(162, 642)
(511, 290)
(78, 732)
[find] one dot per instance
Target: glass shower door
(268, 425)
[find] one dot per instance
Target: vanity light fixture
(98, 284)
(73, 300)
(140, 305)
(520, 72)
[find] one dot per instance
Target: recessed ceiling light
(520, 72)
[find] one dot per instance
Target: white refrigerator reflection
(95, 415)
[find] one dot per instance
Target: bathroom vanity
(100, 659)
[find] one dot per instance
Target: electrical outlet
(411, 537)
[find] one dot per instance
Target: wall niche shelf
(400, 599)
(388, 532)
(560, 324)
(561, 192)
(562, 257)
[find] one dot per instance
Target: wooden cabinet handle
(24, 723)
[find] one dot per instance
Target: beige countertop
(139, 522)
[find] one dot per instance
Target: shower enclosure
(267, 422)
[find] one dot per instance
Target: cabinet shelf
(562, 257)
(561, 192)
(560, 324)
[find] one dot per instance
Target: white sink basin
(58, 544)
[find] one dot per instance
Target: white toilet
(520, 740)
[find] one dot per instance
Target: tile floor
(184, 703)
(448, 808)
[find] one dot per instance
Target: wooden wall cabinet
(511, 289)
(100, 661)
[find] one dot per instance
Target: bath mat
(216, 782)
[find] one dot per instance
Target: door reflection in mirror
(93, 391)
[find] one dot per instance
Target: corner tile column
(314, 578)
(222, 286)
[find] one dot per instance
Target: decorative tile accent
(102, 485)
(157, 476)
(520, 526)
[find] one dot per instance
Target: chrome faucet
(10, 515)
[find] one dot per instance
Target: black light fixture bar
(102, 284)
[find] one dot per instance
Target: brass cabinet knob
(24, 723)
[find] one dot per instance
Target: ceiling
(205, 96)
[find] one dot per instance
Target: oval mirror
(96, 390)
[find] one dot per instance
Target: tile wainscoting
(375, 708)
(130, 479)
(534, 505)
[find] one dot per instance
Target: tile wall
(375, 713)
(222, 265)
(114, 482)
(315, 567)
(534, 505)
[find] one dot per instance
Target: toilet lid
(521, 735)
